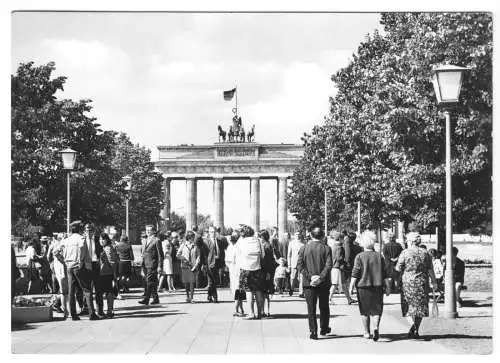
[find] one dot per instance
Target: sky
(159, 77)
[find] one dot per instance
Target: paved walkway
(205, 328)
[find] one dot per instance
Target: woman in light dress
(168, 267)
(234, 272)
(61, 274)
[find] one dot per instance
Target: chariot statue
(236, 132)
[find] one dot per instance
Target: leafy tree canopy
(384, 138)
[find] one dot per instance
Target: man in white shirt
(77, 259)
(293, 257)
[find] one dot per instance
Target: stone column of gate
(219, 202)
(166, 200)
(282, 207)
(255, 203)
(191, 207)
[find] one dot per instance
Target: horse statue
(251, 134)
(222, 134)
(230, 134)
(242, 134)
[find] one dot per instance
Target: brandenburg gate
(222, 161)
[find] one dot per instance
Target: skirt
(187, 276)
(251, 281)
(168, 268)
(106, 283)
(336, 275)
(125, 269)
(370, 300)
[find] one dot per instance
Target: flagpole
(236, 91)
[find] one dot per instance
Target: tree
(383, 141)
(146, 194)
(41, 126)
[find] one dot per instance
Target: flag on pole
(228, 95)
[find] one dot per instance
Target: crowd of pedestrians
(89, 265)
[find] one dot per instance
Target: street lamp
(447, 81)
(68, 159)
(127, 179)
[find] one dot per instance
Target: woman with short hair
(250, 255)
(370, 278)
(268, 268)
(126, 256)
(189, 255)
(108, 260)
(416, 267)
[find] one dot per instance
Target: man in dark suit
(212, 256)
(94, 249)
(315, 264)
(152, 264)
(220, 263)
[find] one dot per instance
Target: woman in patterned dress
(416, 267)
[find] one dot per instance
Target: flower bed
(32, 309)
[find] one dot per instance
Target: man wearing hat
(72, 250)
(391, 252)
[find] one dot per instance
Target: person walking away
(126, 258)
(78, 263)
(370, 278)
(416, 267)
(269, 266)
(213, 254)
(189, 256)
(459, 276)
(350, 254)
(280, 276)
(220, 264)
(152, 263)
(338, 264)
(315, 264)
(293, 256)
(249, 256)
(391, 252)
(168, 268)
(108, 259)
(92, 242)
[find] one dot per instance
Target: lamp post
(68, 159)
(127, 179)
(447, 81)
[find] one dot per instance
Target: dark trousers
(96, 275)
(151, 284)
(212, 285)
(79, 278)
(313, 295)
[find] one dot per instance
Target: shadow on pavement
(18, 327)
(141, 314)
(295, 316)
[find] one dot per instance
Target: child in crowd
(280, 276)
(239, 297)
(438, 270)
